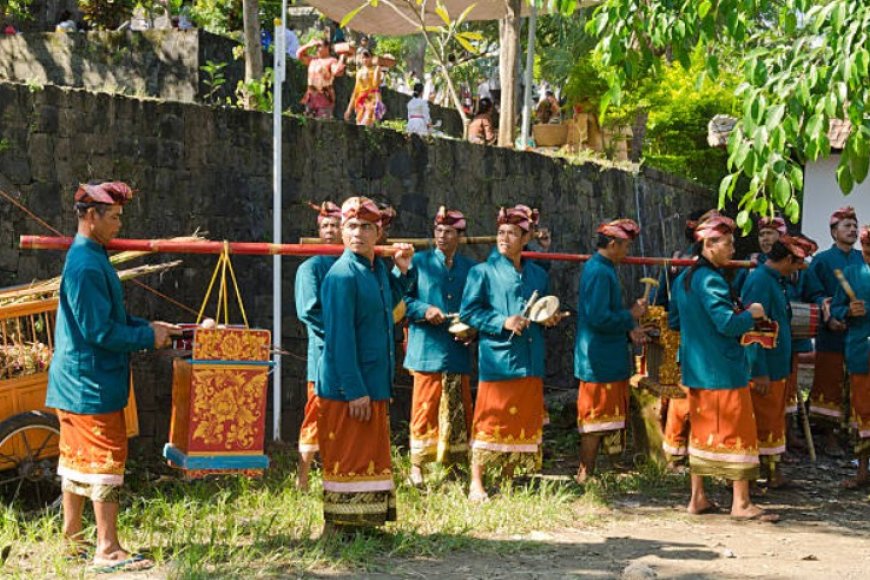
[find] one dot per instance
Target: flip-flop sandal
(762, 517)
(135, 563)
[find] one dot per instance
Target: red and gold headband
(714, 226)
(327, 209)
(844, 213)
(360, 208)
(110, 192)
(623, 229)
(776, 223)
(450, 217)
(521, 216)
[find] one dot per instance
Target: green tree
(802, 63)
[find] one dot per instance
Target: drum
(805, 320)
(662, 373)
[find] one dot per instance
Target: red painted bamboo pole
(267, 249)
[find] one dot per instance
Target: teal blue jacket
(742, 274)
(710, 353)
(857, 348)
(821, 284)
(359, 358)
(309, 278)
(767, 287)
(494, 291)
(93, 335)
(431, 348)
(601, 347)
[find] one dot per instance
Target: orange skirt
(601, 407)
(441, 416)
(357, 470)
(676, 433)
(308, 432)
(723, 441)
(826, 397)
(770, 423)
(860, 397)
(508, 420)
(791, 386)
(93, 448)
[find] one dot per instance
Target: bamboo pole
(418, 242)
(267, 249)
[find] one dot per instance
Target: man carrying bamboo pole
(826, 397)
(89, 377)
(851, 308)
(602, 361)
(309, 279)
(355, 376)
(723, 441)
(508, 415)
(770, 367)
(441, 408)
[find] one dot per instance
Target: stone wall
(198, 167)
(164, 64)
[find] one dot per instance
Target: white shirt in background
(418, 116)
(292, 42)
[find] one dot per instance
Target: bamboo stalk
(418, 242)
(268, 249)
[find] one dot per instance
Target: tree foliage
(803, 63)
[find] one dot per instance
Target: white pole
(530, 64)
(279, 45)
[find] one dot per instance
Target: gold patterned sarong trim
(527, 462)
(359, 509)
(723, 469)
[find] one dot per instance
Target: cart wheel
(28, 461)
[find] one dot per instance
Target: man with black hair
(770, 367)
(89, 377)
(602, 362)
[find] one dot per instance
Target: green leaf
(726, 188)
(796, 175)
(464, 14)
(704, 8)
(793, 210)
(350, 15)
(465, 44)
(781, 191)
(742, 219)
(441, 11)
(844, 178)
(774, 116)
(790, 23)
(859, 157)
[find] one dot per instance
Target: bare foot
(302, 482)
(702, 507)
(478, 496)
(416, 476)
(583, 475)
(753, 513)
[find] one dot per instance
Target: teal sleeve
(308, 307)
(814, 290)
(673, 315)
(92, 307)
(339, 306)
(717, 302)
(416, 309)
(476, 310)
(601, 317)
(398, 285)
(136, 321)
(757, 358)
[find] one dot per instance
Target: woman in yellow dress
(366, 98)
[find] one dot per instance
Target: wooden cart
(29, 432)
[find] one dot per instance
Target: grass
(237, 527)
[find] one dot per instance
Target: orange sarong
(357, 470)
(308, 432)
(723, 441)
(826, 397)
(770, 423)
(676, 433)
(860, 397)
(441, 415)
(93, 448)
(508, 420)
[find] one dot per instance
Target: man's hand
(555, 319)
(639, 308)
(347, 115)
(835, 325)
(434, 316)
(761, 385)
(857, 308)
(826, 309)
(360, 409)
(517, 324)
(756, 310)
(638, 336)
(402, 256)
(163, 333)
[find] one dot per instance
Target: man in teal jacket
(854, 313)
(508, 414)
(440, 364)
(771, 367)
(826, 397)
(309, 279)
(602, 360)
(723, 441)
(355, 375)
(89, 377)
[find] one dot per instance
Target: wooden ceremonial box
(218, 418)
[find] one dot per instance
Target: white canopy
(398, 17)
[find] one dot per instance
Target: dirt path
(825, 533)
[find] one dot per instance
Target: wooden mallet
(648, 283)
